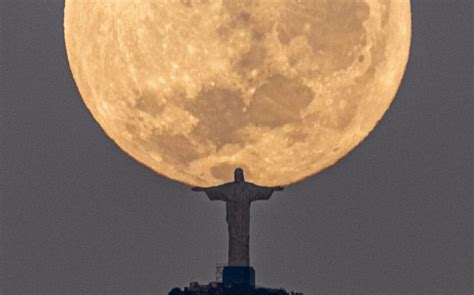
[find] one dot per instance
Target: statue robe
(238, 196)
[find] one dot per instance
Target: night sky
(79, 216)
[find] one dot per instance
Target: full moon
(280, 88)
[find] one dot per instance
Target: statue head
(239, 175)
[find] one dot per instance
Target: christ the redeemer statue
(238, 196)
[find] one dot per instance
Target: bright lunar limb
(194, 89)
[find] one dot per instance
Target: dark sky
(78, 216)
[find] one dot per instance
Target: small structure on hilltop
(215, 288)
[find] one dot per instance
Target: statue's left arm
(263, 192)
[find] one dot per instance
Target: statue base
(235, 280)
(215, 288)
(239, 275)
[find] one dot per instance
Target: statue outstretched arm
(263, 192)
(214, 193)
(198, 189)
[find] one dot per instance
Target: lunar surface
(194, 89)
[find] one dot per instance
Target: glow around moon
(193, 89)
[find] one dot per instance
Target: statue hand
(197, 189)
(278, 188)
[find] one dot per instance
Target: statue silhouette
(238, 196)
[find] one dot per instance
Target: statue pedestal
(239, 275)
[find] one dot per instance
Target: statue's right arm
(214, 193)
(198, 189)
